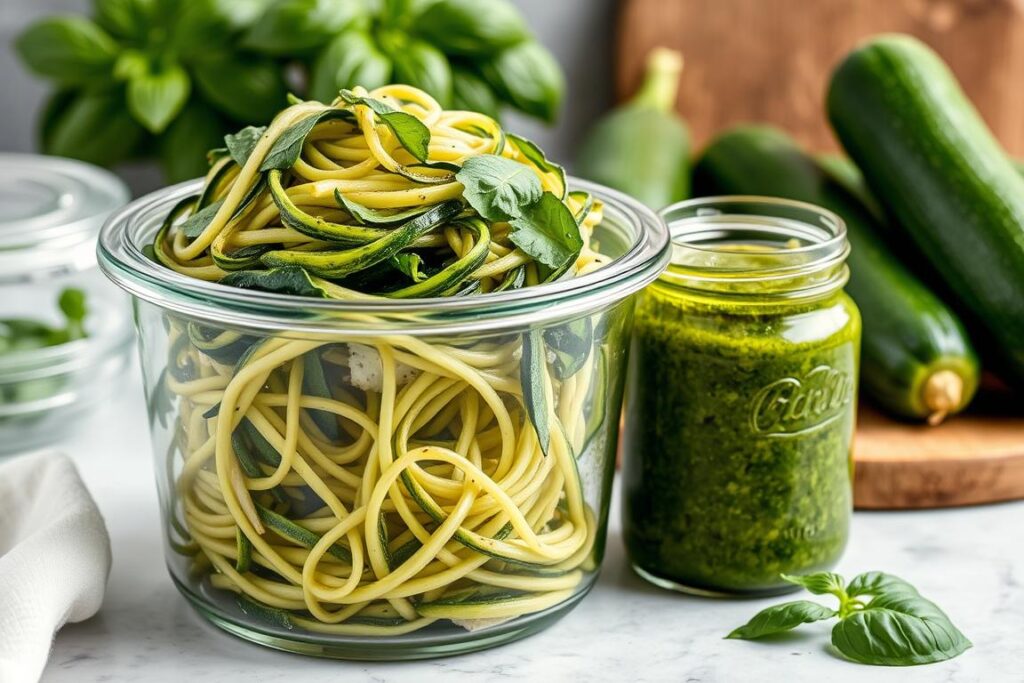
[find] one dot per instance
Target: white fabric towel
(54, 559)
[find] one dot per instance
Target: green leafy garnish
(72, 305)
(412, 134)
(498, 188)
(194, 225)
(895, 626)
(536, 156)
(20, 334)
(288, 146)
(284, 280)
(570, 344)
(781, 618)
(241, 144)
(532, 380)
(548, 232)
(411, 265)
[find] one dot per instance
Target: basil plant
(169, 78)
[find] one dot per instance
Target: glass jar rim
(708, 252)
(60, 205)
(121, 258)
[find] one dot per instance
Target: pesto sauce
(738, 432)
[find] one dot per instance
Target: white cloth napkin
(54, 559)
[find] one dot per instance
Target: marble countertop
(969, 560)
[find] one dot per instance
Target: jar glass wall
(49, 381)
(383, 479)
(739, 467)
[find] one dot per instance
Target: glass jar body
(47, 392)
(739, 467)
(448, 527)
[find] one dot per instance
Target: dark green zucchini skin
(931, 161)
(909, 336)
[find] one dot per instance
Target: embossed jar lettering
(792, 405)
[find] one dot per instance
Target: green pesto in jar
(740, 414)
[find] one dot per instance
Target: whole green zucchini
(642, 148)
(930, 159)
(916, 359)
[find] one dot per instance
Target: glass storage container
(52, 212)
(362, 479)
(738, 468)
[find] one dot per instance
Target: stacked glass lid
(53, 366)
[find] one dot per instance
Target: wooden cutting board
(769, 60)
(972, 458)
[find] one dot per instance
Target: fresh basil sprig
(501, 189)
(412, 133)
(882, 620)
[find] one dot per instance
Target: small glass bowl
(52, 212)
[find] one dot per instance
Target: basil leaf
(368, 216)
(94, 127)
(898, 627)
(423, 66)
(529, 78)
(401, 13)
(902, 633)
(315, 383)
(154, 99)
(291, 26)
(183, 147)
(245, 88)
(781, 618)
(819, 583)
(498, 188)
(124, 18)
(287, 148)
(464, 27)
(241, 144)
(409, 264)
(471, 93)
(532, 380)
(412, 134)
(351, 59)
(196, 25)
(194, 225)
(70, 50)
(284, 280)
(571, 344)
(56, 104)
(548, 232)
(537, 157)
(72, 305)
(879, 583)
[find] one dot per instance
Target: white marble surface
(970, 561)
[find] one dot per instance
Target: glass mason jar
(384, 479)
(52, 212)
(738, 468)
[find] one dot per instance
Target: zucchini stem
(942, 393)
(661, 80)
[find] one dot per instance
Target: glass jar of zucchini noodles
(65, 333)
(391, 432)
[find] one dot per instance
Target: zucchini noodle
(368, 486)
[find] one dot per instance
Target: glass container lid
(51, 210)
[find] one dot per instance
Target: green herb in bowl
(23, 334)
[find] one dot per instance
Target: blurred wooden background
(769, 60)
